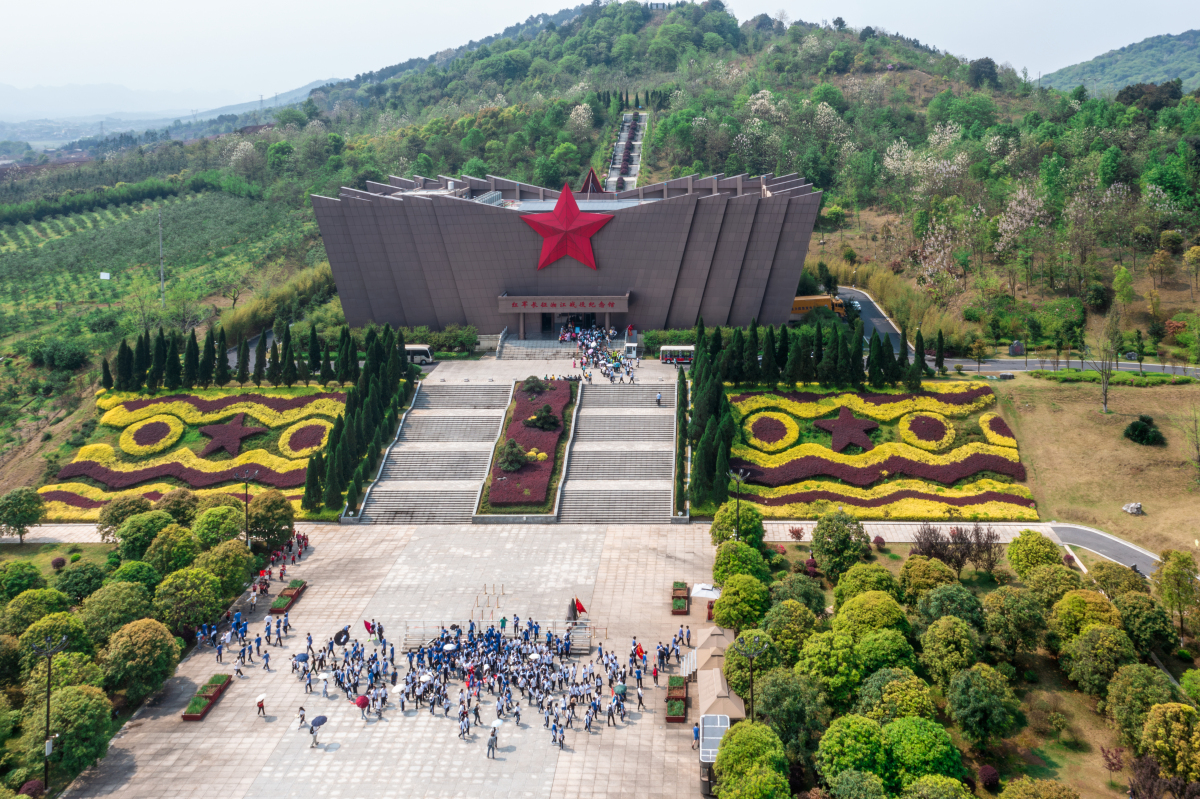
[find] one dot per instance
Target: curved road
(1107, 545)
(874, 319)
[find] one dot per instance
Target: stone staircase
(434, 472)
(622, 459)
(536, 350)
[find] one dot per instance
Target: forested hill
(1153, 60)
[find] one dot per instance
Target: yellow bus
(802, 305)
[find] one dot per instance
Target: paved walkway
(1108, 546)
(623, 576)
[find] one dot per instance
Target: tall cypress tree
(827, 368)
(808, 365)
(857, 374)
(289, 363)
(327, 372)
(715, 345)
(173, 373)
(783, 343)
(312, 484)
(106, 380)
(243, 363)
(791, 369)
(221, 375)
(876, 374)
(274, 367)
(333, 480)
(191, 361)
(158, 363)
(314, 350)
(141, 360)
(208, 359)
(887, 360)
(124, 367)
(751, 371)
(919, 351)
(260, 360)
(344, 374)
(702, 464)
(818, 344)
(846, 361)
(939, 358)
(737, 347)
(770, 368)
(345, 455)
(902, 357)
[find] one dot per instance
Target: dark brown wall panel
(431, 250)
(727, 260)
(409, 276)
(789, 258)
(697, 258)
(342, 260)
(756, 265)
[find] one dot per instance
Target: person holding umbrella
(362, 703)
(316, 723)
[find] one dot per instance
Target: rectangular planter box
(212, 700)
(677, 719)
(677, 693)
(687, 608)
(293, 595)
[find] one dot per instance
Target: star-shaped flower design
(566, 231)
(847, 429)
(228, 436)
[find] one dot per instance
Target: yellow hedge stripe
(120, 417)
(874, 456)
(106, 455)
(884, 413)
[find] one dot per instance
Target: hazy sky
(231, 51)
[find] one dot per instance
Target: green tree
(191, 362)
(181, 504)
(1132, 691)
(863, 577)
(1051, 583)
(70, 668)
(870, 693)
(829, 658)
(982, 704)
(79, 580)
(916, 747)
(136, 571)
(851, 742)
(936, 786)
(217, 525)
(838, 542)
(1014, 621)
(905, 698)
(112, 607)
(1174, 582)
(855, 784)
(260, 360)
(745, 745)
(1029, 788)
(887, 648)
(735, 557)
(187, 599)
(789, 624)
(1093, 657)
(803, 589)
(80, 716)
(231, 563)
(174, 548)
(1031, 549)
(272, 519)
(952, 599)
(1169, 736)
(920, 575)
(793, 706)
(1146, 623)
(948, 646)
(1078, 609)
(29, 606)
(20, 509)
(312, 499)
(208, 359)
(221, 372)
(761, 781)
(140, 658)
(53, 627)
(745, 525)
(1123, 286)
(742, 603)
(737, 667)
(138, 531)
(114, 514)
(19, 577)
(868, 612)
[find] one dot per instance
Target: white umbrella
(449, 647)
(535, 656)
(426, 677)
(498, 723)
(261, 698)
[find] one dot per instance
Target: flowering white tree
(580, 121)
(1023, 218)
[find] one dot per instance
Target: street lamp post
(738, 477)
(246, 475)
(48, 652)
(751, 649)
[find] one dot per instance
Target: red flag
(579, 606)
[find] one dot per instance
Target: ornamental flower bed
(206, 696)
(148, 446)
(530, 484)
(911, 468)
(288, 597)
(676, 711)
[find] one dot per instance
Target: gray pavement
(1108, 546)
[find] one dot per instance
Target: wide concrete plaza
(399, 574)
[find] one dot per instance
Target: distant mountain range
(96, 102)
(1153, 60)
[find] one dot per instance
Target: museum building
(496, 254)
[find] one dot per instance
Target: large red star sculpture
(566, 231)
(228, 436)
(848, 430)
